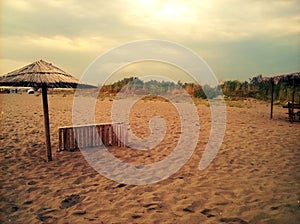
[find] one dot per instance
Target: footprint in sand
(211, 212)
(11, 208)
(70, 201)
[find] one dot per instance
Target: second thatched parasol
(291, 79)
(41, 74)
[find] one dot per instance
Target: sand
(254, 178)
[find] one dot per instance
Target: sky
(238, 39)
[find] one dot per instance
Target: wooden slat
(75, 129)
(106, 135)
(64, 138)
(81, 145)
(68, 139)
(72, 139)
(60, 139)
(110, 135)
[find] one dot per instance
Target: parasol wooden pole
(272, 98)
(293, 100)
(46, 122)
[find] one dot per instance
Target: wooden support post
(293, 101)
(272, 98)
(46, 122)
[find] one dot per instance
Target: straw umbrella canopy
(41, 74)
(291, 79)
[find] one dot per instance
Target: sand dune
(254, 178)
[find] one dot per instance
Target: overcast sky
(237, 38)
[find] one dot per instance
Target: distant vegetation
(260, 90)
(231, 89)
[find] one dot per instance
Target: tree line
(235, 88)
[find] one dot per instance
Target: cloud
(74, 30)
(201, 20)
(215, 20)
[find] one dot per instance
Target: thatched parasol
(292, 79)
(41, 74)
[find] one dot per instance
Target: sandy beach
(255, 177)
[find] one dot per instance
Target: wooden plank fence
(110, 134)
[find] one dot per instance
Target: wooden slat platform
(86, 136)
